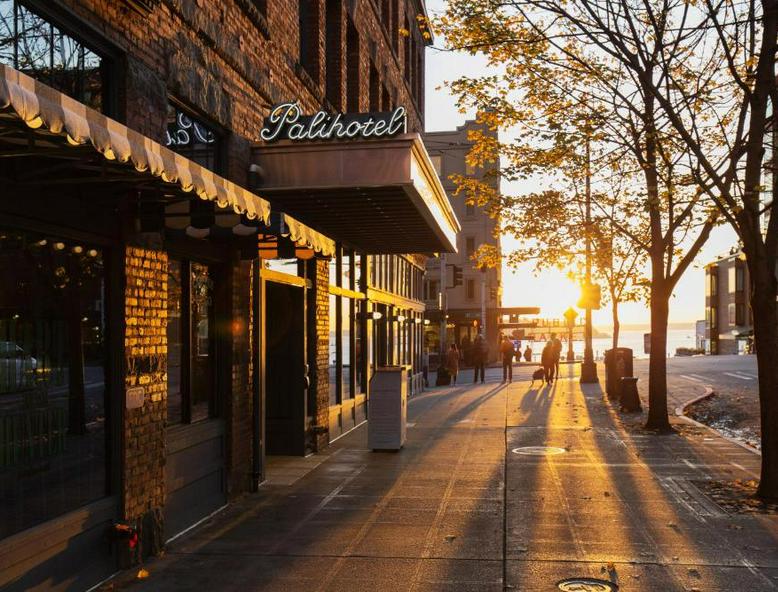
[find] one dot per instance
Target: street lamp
(588, 366)
(570, 314)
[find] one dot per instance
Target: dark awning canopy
(380, 196)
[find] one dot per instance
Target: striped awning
(39, 105)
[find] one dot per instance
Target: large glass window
(333, 351)
(191, 363)
(53, 431)
(347, 314)
(34, 46)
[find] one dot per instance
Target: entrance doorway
(285, 369)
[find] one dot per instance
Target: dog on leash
(538, 374)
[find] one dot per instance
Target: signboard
(135, 397)
(646, 343)
(287, 122)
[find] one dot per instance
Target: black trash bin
(629, 398)
(618, 364)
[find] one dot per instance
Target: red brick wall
(321, 338)
(145, 346)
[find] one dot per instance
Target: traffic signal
(458, 281)
(590, 296)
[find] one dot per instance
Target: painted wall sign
(286, 122)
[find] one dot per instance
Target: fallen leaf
(142, 574)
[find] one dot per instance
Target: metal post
(588, 367)
(483, 301)
(443, 306)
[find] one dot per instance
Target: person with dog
(548, 361)
(452, 362)
(479, 357)
(507, 351)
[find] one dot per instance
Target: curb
(680, 412)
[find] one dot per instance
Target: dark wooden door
(285, 383)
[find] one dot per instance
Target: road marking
(687, 377)
(741, 377)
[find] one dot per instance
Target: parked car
(17, 367)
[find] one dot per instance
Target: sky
(551, 290)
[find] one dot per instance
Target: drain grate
(586, 585)
(539, 450)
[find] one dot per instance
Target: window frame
(187, 343)
(112, 58)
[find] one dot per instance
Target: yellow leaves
(404, 32)
(142, 574)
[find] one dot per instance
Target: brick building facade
(151, 341)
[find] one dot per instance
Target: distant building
(729, 324)
(462, 303)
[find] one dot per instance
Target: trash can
(618, 364)
(629, 398)
(387, 408)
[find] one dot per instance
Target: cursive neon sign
(286, 122)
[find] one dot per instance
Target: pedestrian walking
(557, 345)
(547, 360)
(452, 362)
(479, 358)
(507, 351)
(528, 354)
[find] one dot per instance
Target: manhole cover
(539, 450)
(587, 585)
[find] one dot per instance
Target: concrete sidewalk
(475, 501)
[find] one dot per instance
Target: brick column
(145, 346)
(321, 339)
(239, 407)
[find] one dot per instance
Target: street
(734, 408)
(498, 488)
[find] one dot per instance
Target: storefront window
(52, 378)
(347, 314)
(347, 270)
(191, 137)
(191, 374)
(333, 351)
(34, 46)
(359, 347)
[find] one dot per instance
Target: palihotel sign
(286, 122)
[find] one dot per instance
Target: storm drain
(539, 451)
(587, 585)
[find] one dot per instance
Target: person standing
(507, 351)
(528, 354)
(547, 361)
(557, 345)
(452, 362)
(479, 358)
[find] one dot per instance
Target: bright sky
(552, 291)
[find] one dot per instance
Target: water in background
(630, 338)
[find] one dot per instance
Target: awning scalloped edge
(40, 105)
(300, 233)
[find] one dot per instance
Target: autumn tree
(562, 98)
(705, 73)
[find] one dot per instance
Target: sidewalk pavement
(476, 502)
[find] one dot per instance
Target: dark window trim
(223, 134)
(82, 30)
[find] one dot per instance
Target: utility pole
(483, 301)
(588, 367)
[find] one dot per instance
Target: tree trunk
(765, 310)
(657, 365)
(616, 324)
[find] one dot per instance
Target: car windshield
(9, 349)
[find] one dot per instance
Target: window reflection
(34, 46)
(53, 432)
(202, 385)
(333, 351)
